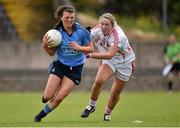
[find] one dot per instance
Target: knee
(46, 98)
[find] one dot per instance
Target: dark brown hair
(63, 8)
(59, 13)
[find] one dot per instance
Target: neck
(108, 33)
(68, 30)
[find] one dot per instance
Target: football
(55, 37)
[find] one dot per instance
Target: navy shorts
(61, 70)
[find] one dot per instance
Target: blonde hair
(108, 16)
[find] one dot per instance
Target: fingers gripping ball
(55, 37)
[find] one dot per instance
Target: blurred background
(24, 64)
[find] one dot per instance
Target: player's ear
(89, 28)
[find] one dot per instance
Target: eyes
(105, 24)
(69, 18)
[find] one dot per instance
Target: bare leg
(103, 74)
(52, 84)
(170, 82)
(115, 92)
(113, 98)
(67, 86)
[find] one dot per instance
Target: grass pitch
(140, 109)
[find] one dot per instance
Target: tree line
(135, 8)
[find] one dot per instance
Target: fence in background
(23, 67)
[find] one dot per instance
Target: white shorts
(122, 71)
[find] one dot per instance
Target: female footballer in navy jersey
(66, 70)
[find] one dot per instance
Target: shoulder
(119, 30)
(81, 31)
(79, 27)
(96, 30)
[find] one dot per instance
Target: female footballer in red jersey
(117, 61)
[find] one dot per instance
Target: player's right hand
(46, 41)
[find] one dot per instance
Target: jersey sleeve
(123, 44)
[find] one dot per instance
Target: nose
(103, 26)
(70, 19)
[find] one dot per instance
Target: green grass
(152, 108)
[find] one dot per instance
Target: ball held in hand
(55, 37)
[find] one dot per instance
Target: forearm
(86, 49)
(103, 55)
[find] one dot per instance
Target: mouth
(69, 23)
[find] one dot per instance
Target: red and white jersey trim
(117, 38)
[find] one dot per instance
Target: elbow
(111, 54)
(51, 53)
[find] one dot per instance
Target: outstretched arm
(87, 49)
(104, 55)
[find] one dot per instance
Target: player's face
(171, 39)
(68, 19)
(106, 26)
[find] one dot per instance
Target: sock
(47, 109)
(170, 85)
(92, 102)
(107, 110)
(44, 112)
(41, 115)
